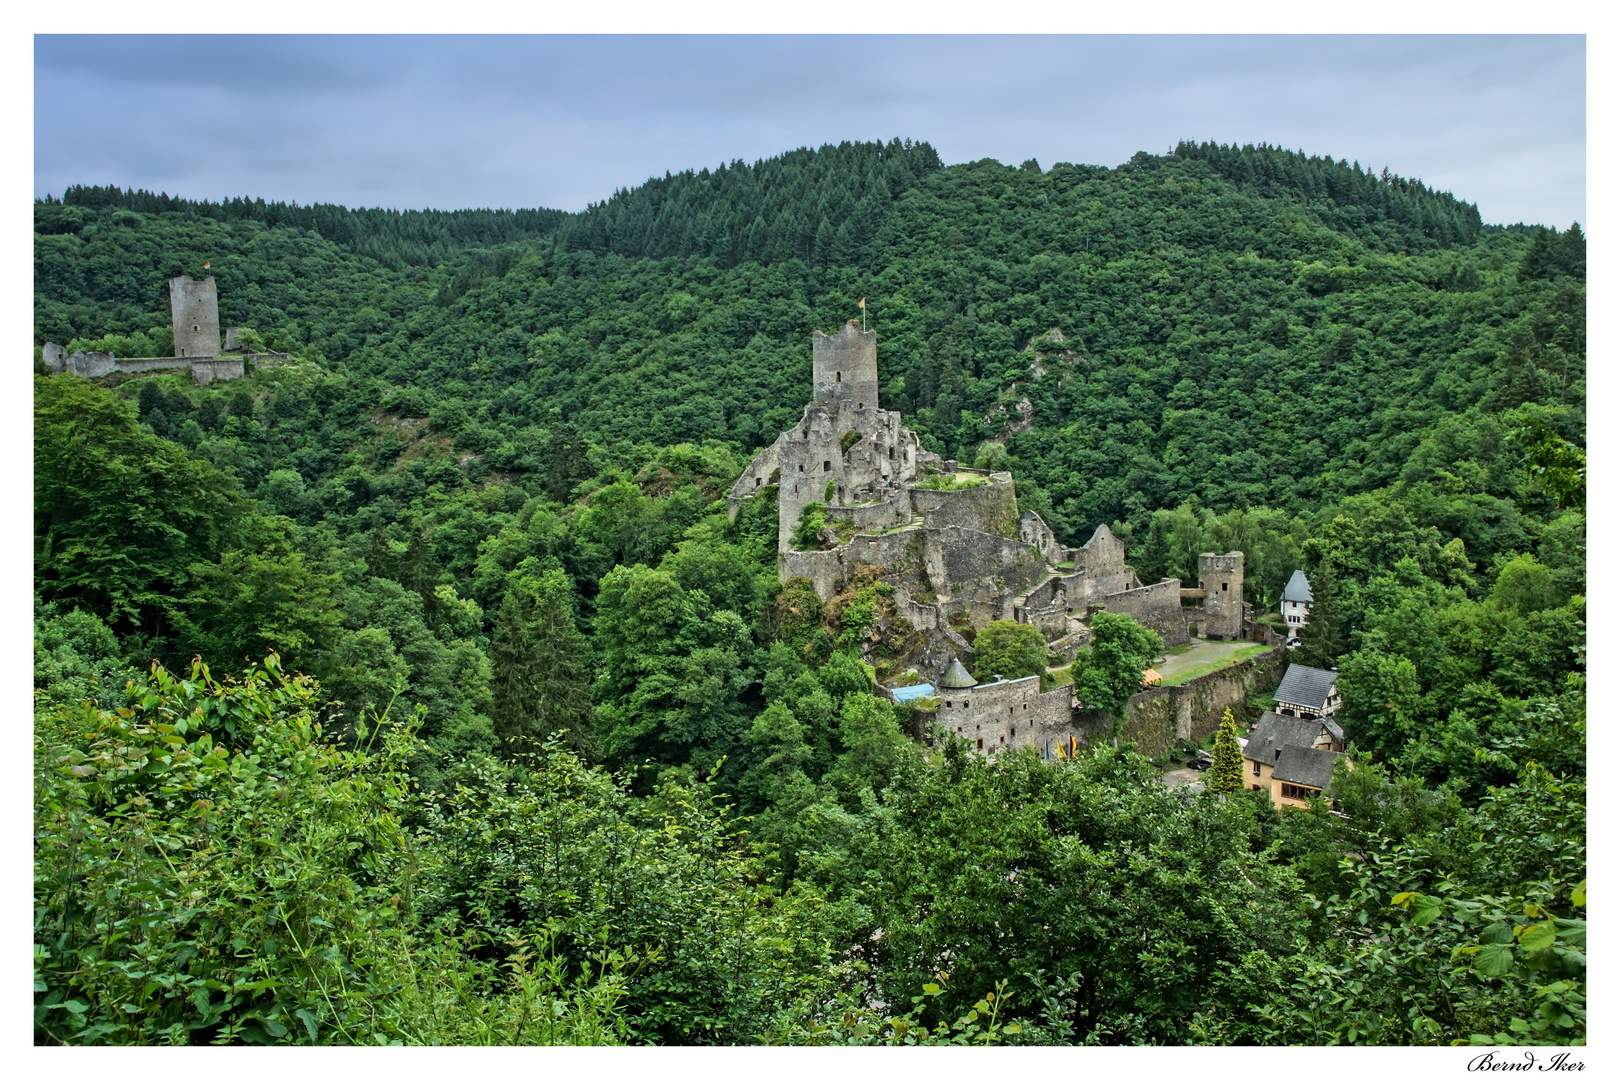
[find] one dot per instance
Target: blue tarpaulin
(903, 694)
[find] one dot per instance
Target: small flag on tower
(206, 265)
(862, 304)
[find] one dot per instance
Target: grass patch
(1207, 667)
(1179, 649)
(1063, 676)
(950, 482)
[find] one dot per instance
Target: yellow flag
(862, 304)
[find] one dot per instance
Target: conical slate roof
(1298, 588)
(957, 678)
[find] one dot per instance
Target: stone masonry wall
(1221, 578)
(991, 507)
(1007, 714)
(96, 365)
(967, 558)
(1160, 715)
(755, 477)
(1157, 607)
(1210, 695)
(194, 311)
(844, 369)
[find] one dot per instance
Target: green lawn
(1223, 661)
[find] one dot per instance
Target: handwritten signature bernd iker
(1487, 1062)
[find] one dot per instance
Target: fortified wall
(194, 313)
(953, 544)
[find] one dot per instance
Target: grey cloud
(558, 121)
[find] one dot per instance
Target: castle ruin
(194, 315)
(956, 549)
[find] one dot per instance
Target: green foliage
(541, 671)
(1109, 670)
(119, 515)
(1555, 463)
(1012, 650)
(208, 869)
(491, 478)
(812, 521)
(1226, 774)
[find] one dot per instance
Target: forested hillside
(573, 718)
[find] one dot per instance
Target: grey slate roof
(1303, 765)
(1298, 588)
(957, 678)
(1307, 686)
(1274, 732)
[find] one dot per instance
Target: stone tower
(845, 374)
(1221, 578)
(194, 307)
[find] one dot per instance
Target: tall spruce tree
(1226, 774)
(541, 676)
(1322, 639)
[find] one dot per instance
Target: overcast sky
(453, 122)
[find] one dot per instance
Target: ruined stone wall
(1210, 695)
(219, 369)
(755, 477)
(844, 367)
(1157, 607)
(991, 507)
(1153, 720)
(900, 554)
(884, 458)
(1102, 561)
(1221, 578)
(967, 560)
(96, 365)
(1160, 715)
(1006, 714)
(810, 456)
(194, 312)
(1032, 529)
(887, 513)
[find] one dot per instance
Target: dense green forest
(418, 690)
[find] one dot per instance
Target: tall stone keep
(1221, 578)
(845, 373)
(194, 308)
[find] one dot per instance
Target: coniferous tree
(1322, 639)
(541, 675)
(1226, 774)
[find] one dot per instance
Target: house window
(947, 704)
(1224, 585)
(801, 468)
(1257, 768)
(758, 480)
(838, 376)
(1295, 791)
(826, 466)
(981, 744)
(891, 453)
